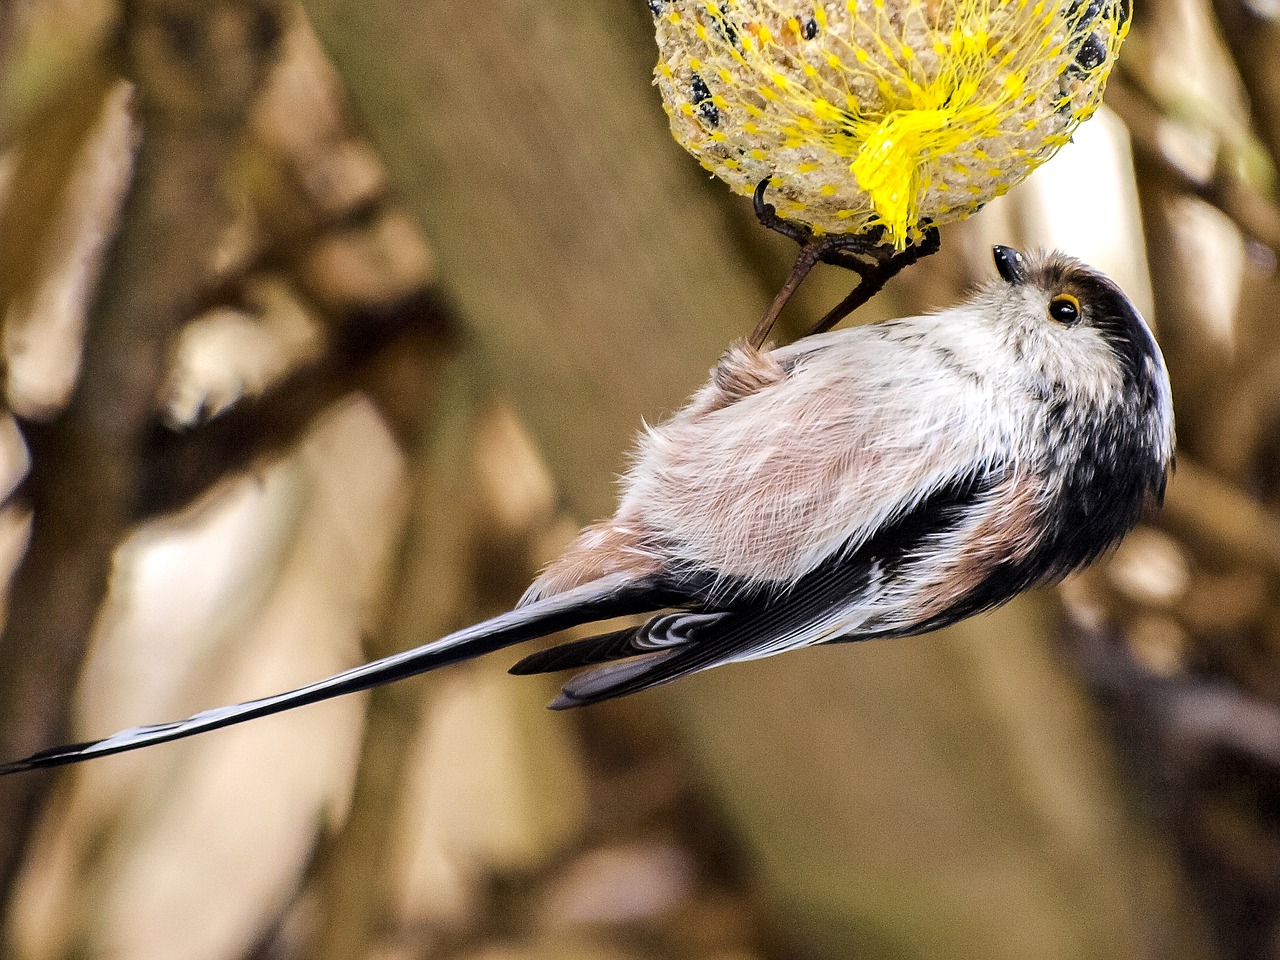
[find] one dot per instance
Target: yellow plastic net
(896, 114)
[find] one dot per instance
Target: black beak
(1010, 265)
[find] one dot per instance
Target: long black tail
(602, 599)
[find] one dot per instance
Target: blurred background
(325, 326)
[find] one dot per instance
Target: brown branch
(46, 63)
(429, 589)
(1256, 215)
(181, 465)
(197, 66)
(1220, 519)
(1254, 41)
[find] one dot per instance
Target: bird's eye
(1065, 309)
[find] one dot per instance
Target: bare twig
(872, 280)
(875, 263)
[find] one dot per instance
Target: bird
(875, 481)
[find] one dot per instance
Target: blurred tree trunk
(576, 238)
(428, 589)
(85, 476)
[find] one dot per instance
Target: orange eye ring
(1064, 309)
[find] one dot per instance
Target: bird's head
(1087, 344)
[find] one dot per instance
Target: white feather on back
(867, 422)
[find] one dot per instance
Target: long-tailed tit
(879, 481)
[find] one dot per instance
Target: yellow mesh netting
(881, 113)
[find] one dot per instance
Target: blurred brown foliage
(324, 327)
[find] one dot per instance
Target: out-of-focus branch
(1165, 177)
(1199, 748)
(428, 588)
(181, 465)
(1253, 38)
(14, 21)
(1221, 519)
(46, 57)
(1256, 216)
(43, 175)
(197, 66)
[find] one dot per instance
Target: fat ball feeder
(870, 123)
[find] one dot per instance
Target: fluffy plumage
(879, 481)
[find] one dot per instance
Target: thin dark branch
(868, 255)
(181, 465)
(873, 280)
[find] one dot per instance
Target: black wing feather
(757, 618)
(579, 653)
